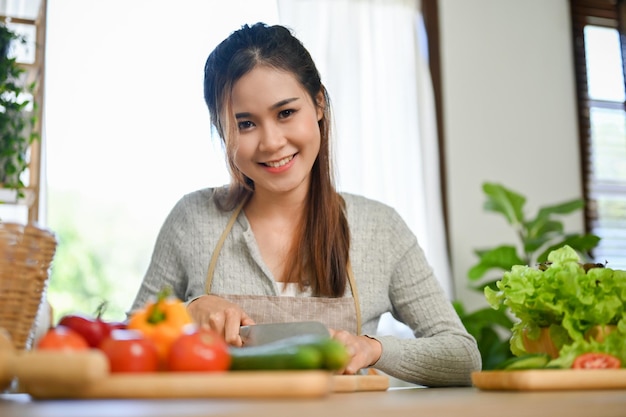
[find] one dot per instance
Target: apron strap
(220, 243)
(355, 295)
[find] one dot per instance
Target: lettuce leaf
(567, 298)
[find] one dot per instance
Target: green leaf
(562, 208)
(487, 317)
(502, 257)
(504, 201)
(533, 245)
(543, 223)
(543, 228)
(459, 308)
(582, 244)
(493, 349)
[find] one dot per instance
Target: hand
(220, 315)
(364, 351)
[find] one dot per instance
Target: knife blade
(260, 334)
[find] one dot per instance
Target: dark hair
(319, 253)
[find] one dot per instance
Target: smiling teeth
(280, 163)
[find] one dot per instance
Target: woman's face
(278, 137)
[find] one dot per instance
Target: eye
(246, 124)
(283, 114)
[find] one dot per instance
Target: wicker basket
(26, 253)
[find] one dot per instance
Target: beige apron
(337, 313)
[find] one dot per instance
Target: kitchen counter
(410, 401)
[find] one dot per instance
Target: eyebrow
(272, 107)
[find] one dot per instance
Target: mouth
(281, 162)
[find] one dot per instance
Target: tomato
(596, 360)
(62, 338)
(199, 350)
(130, 351)
(93, 329)
(116, 325)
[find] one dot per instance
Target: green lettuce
(568, 299)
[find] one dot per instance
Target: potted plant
(538, 237)
(17, 114)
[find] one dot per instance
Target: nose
(272, 138)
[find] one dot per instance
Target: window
(599, 45)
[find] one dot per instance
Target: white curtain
(372, 59)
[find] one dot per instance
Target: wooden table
(439, 402)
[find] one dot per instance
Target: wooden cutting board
(239, 384)
(257, 384)
(85, 374)
(551, 379)
(353, 383)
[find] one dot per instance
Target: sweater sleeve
(442, 353)
(396, 277)
(166, 267)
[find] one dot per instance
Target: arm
(179, 261)
(394, 276)
(443, 352)
(165, 267)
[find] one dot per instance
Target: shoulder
(197, 205)
(199, 197)
(358, 206)
(376, 229)
(373, 216)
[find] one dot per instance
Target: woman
(280, 244)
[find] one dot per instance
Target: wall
(509, 117)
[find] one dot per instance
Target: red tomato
(199, 350)
(62, 338)
(93, 330)
(116, 325)
(130, 351)
(596, 360)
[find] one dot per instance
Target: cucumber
(530, 361)
(298, 352)
(335, 355)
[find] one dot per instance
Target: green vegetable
(530, 361)
(536, 235)
(568, 297)
(298, 352)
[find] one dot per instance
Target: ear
(320, 102)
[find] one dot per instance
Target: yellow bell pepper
(161, 321)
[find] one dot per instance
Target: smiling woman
(128, 133)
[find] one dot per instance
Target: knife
(260, 334)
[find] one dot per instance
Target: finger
(247, 320)
(216, 323)
(351, 343)
(342, 336)
(353, 367)
(232, 323)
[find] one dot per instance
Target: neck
(267, 205)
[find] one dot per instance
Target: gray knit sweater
(389, 267)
